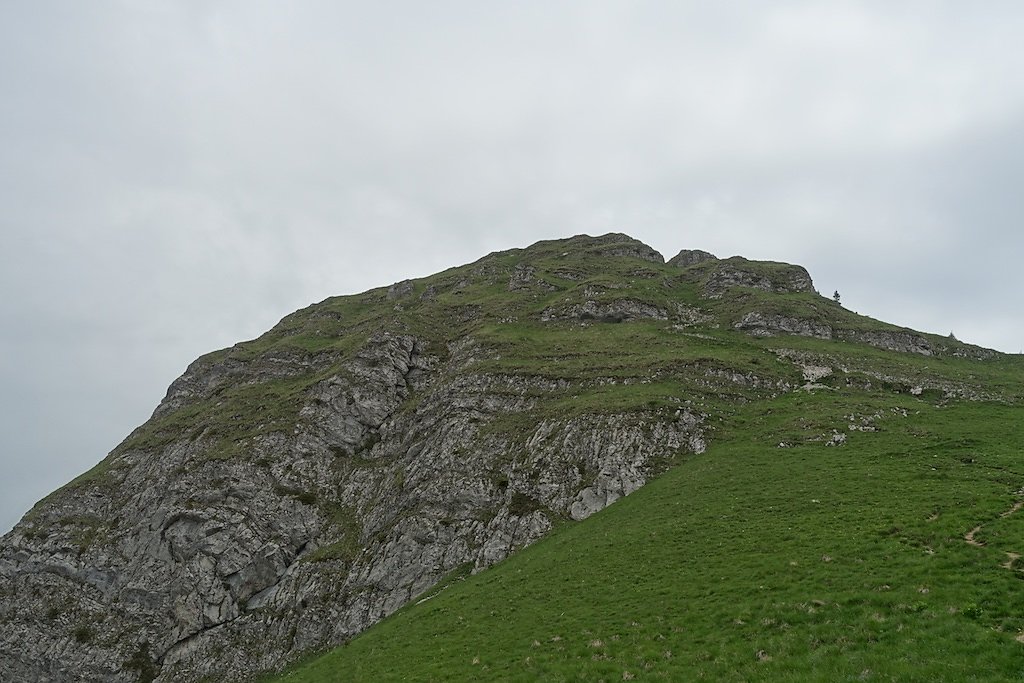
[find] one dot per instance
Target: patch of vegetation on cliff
(229, 419)
(345, 529)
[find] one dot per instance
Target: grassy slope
(753, 561)
(750, 561)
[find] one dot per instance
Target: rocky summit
(291, 491)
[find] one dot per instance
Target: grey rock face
(740, 273)
(615, 311)
(400, 290)
(192, 558)
(690, 257)
(763, 325)
(905, 342)
(620, 245)
(640, 251)
(521, 277)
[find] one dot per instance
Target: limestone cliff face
(291, 491)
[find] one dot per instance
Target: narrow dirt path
(971, 539)
(1011, 557)
(1016, 507)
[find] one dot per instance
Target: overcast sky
(178, 176)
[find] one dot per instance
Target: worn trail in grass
(752, 562)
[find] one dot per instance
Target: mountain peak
(691, 257)
(610, 244)
(293, 490)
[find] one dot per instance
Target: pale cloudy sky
(177, 176)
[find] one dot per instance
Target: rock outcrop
(690, 257)
(613, 311)
(891, 340)
(738, 272)
(765, 325)
(619, 245)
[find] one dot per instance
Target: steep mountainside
(291, 491)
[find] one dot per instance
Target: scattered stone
(904, 342)
(522, 276)
(837, 439)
